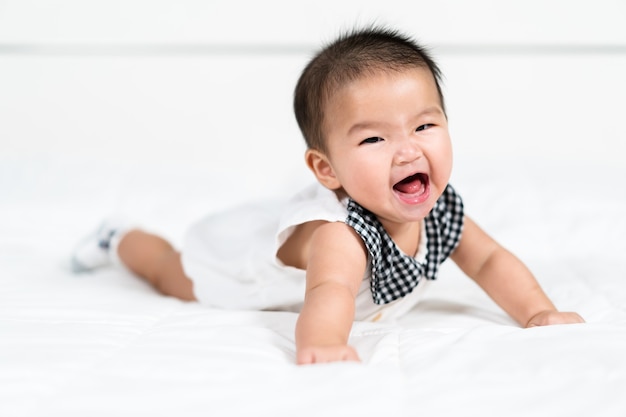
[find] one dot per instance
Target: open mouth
(415, 184)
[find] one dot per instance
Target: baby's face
(388, 144)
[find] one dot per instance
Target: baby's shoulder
(318, 237)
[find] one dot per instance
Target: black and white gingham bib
(395, 274)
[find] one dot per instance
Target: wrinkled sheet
(106, 344)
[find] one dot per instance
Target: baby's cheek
(441, 166)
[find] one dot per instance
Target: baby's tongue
(410, 185)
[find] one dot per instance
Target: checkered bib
(395, 274)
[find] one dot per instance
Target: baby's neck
(405, 235)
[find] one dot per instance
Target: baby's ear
(321, 167)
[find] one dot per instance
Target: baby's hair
(352, 55)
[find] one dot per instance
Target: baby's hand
(548, 317)
(322, 354)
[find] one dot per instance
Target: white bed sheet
(106, 344)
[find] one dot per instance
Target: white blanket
(107, 344)
(166, 110)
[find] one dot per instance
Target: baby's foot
(97, 249)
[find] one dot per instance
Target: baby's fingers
(325, 354)
(547, 318)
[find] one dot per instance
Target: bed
(159, 136)
(107, 344)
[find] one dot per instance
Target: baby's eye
(374, 139)
(424, 127)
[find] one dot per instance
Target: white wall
(306, 21)
(207, 85)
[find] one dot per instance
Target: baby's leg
(155, 260)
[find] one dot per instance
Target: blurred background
(189, 102)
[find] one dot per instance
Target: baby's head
(371, 111)
(354, 55)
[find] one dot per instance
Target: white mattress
(106, 344)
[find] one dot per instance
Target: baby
(364, 240)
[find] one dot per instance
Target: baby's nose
(408, 150)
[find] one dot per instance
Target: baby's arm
(335, 267)
(506, 279)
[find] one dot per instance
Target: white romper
(231, 257)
